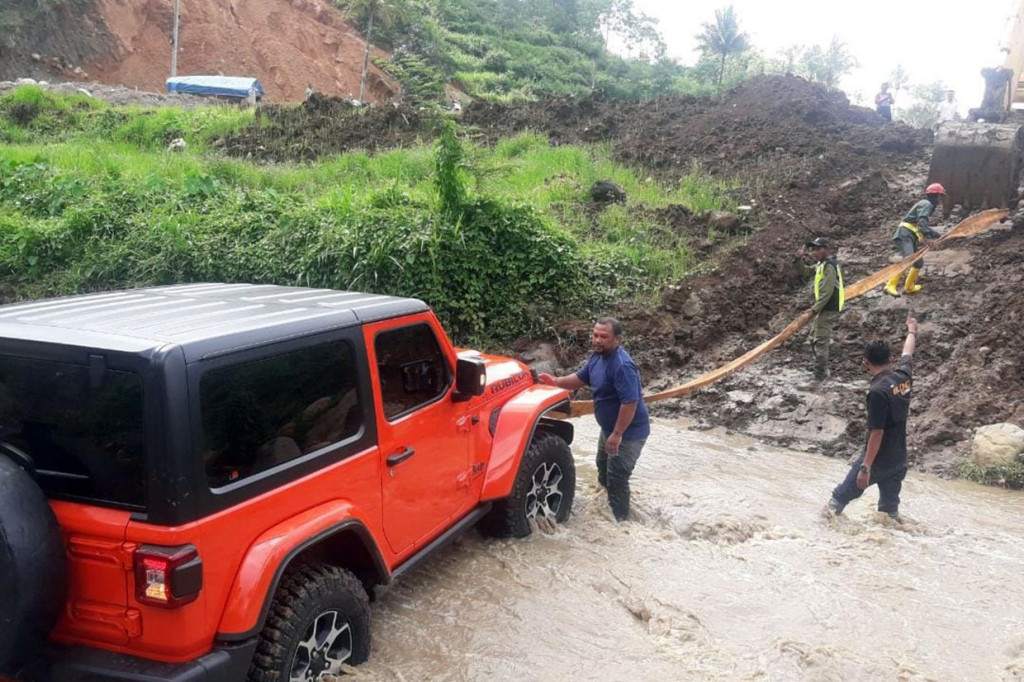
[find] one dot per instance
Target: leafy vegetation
(723, 38)
(31, 113)
(500, 241)
(523, 49)
(1005, 475)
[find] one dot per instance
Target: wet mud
(730, 571)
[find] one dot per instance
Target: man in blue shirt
(618, 406)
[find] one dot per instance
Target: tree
(923, 110)
(723, 38)
(826, 65)
(791, 57)
(382, 12)
(899, 78)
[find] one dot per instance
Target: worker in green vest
(829, 299)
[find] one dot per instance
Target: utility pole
(174, 40)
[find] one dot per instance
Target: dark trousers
(885, 112)
(889, 483)
(905, 246)
(613, 472)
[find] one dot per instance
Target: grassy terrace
(91, 199)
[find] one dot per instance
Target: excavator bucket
(978, 163)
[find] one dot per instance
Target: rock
(177, 145)
(607, 192)
(543, 359)
(724, 221)
(25, 81)
(693, 306)
(997, 444)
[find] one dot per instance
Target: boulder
(997, 444)
(724, 221)
(607, 192)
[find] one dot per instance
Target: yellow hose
(973, 225)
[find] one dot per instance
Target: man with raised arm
(618, 407)
(884, 460)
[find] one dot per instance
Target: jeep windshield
(80, 429)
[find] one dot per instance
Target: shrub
(1009, 475)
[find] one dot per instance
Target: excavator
(979, 161)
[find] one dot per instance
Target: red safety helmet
(935, 188)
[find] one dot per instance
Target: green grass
(102, 203)
(1005, 475)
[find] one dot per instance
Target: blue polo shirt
(615, 381)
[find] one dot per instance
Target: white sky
(948, 40)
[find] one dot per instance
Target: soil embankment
(286, 44)
(809, 164)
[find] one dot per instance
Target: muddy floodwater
(730, 572)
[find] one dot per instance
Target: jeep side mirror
(470, 378)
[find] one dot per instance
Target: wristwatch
(865, 469)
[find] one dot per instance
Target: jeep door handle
(399, 457)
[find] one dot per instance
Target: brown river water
(729, 572)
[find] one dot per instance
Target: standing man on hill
(618, 407)
(884, 460)
(909, 237)
(883, 103)
(947, 109)
(829, 300)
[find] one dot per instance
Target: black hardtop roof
(203, 319)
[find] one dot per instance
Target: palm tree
(382, 12)
(723, 38)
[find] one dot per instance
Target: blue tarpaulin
(216, 86)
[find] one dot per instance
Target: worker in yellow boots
(909, 238)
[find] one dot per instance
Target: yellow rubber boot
(890, 287)
(911, 286)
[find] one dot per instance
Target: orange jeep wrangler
(206, 482)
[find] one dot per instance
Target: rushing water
(730, 572)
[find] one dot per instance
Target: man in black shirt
(884, 461)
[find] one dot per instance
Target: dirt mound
(809, 164)
(748, 129)
(323, 126)
(287, 44)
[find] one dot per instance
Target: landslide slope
(809, 164)
(284, 43)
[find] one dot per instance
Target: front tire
(544, 490)
(319, 620)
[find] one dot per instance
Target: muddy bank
(809, 164)
(322, 126)
(729, 573)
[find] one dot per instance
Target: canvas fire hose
(975, 224)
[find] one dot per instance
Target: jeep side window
(412, 369)
(260, 414)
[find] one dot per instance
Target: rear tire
(545, 487)
(320, 616)
(33, 570)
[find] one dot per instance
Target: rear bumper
(83, 664)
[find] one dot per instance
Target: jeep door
(423, 434)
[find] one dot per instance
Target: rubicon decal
(505, 384)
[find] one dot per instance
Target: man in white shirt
(947, 109)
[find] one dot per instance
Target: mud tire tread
(507, 518)
(303, 590)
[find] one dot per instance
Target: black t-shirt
(888, 405)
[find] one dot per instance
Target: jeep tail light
(167, 576)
